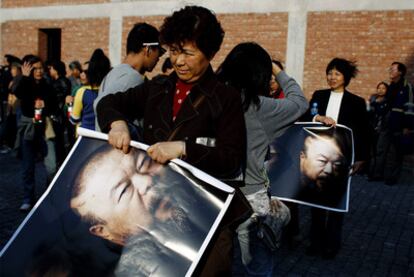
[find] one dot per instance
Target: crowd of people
(221, 122)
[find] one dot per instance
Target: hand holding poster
(108, 213)
(311, 166)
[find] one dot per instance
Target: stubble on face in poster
(311, 165)
(113, 213)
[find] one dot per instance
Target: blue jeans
(251, 256)
(50, 159)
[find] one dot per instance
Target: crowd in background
(42, 103)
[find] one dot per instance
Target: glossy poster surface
(109, 213)
(310, 164)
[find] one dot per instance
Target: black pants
(326, 230)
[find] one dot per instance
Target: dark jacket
(61, 89)
(27, 90)
(353, 114)
(400, 98)
(212, 110)
(218, 116)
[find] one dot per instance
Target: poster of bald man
(311, 163)
(107, 213)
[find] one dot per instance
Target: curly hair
(193, 24)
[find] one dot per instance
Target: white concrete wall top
(164, 7)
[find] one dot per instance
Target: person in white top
(332, 106)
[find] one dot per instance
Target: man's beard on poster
(167, 197)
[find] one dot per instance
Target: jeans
(252, 257)
(50, 159)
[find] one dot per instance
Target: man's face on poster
(321, 161)
(118, 191)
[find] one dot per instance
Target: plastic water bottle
(70, 109)
(38, 115)
(314, 109)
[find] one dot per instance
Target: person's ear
(100, 231)
(147, 51)
(302, 158)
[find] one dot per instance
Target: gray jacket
(267, 123)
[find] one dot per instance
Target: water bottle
(70, 109)
(38, 115)
(314, 109)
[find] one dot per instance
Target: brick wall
(269, 30)
(79, 37)
(373, 39)
(34, 3)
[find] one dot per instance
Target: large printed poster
(108, 213)
(310, 164)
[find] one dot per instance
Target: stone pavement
(378, 232)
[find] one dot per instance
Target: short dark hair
(401, 68)
(347, 68)
(139, 34)
(60, 67)
(339, 136)
(31, 59)
(99, 66)
(12, 59)
(75, 65)
(248, 68)
(193, 23)
(166, 65)
(383, 83)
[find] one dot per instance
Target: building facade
(304, 34)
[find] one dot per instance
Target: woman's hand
(26, 69)
(69, 100)
(275, 69)
(119, 136)
(325, 120)
(163, 152)
(39, 104)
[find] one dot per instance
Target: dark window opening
(50, 44)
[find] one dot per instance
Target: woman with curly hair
(189, 115)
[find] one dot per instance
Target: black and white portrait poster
(310, 164)
(107, 213)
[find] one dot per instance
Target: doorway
(50, 44)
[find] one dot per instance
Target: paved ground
(378, 232)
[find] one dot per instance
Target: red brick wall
(33, 3)
(373, 39)
(269, 30)
(79, 37)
